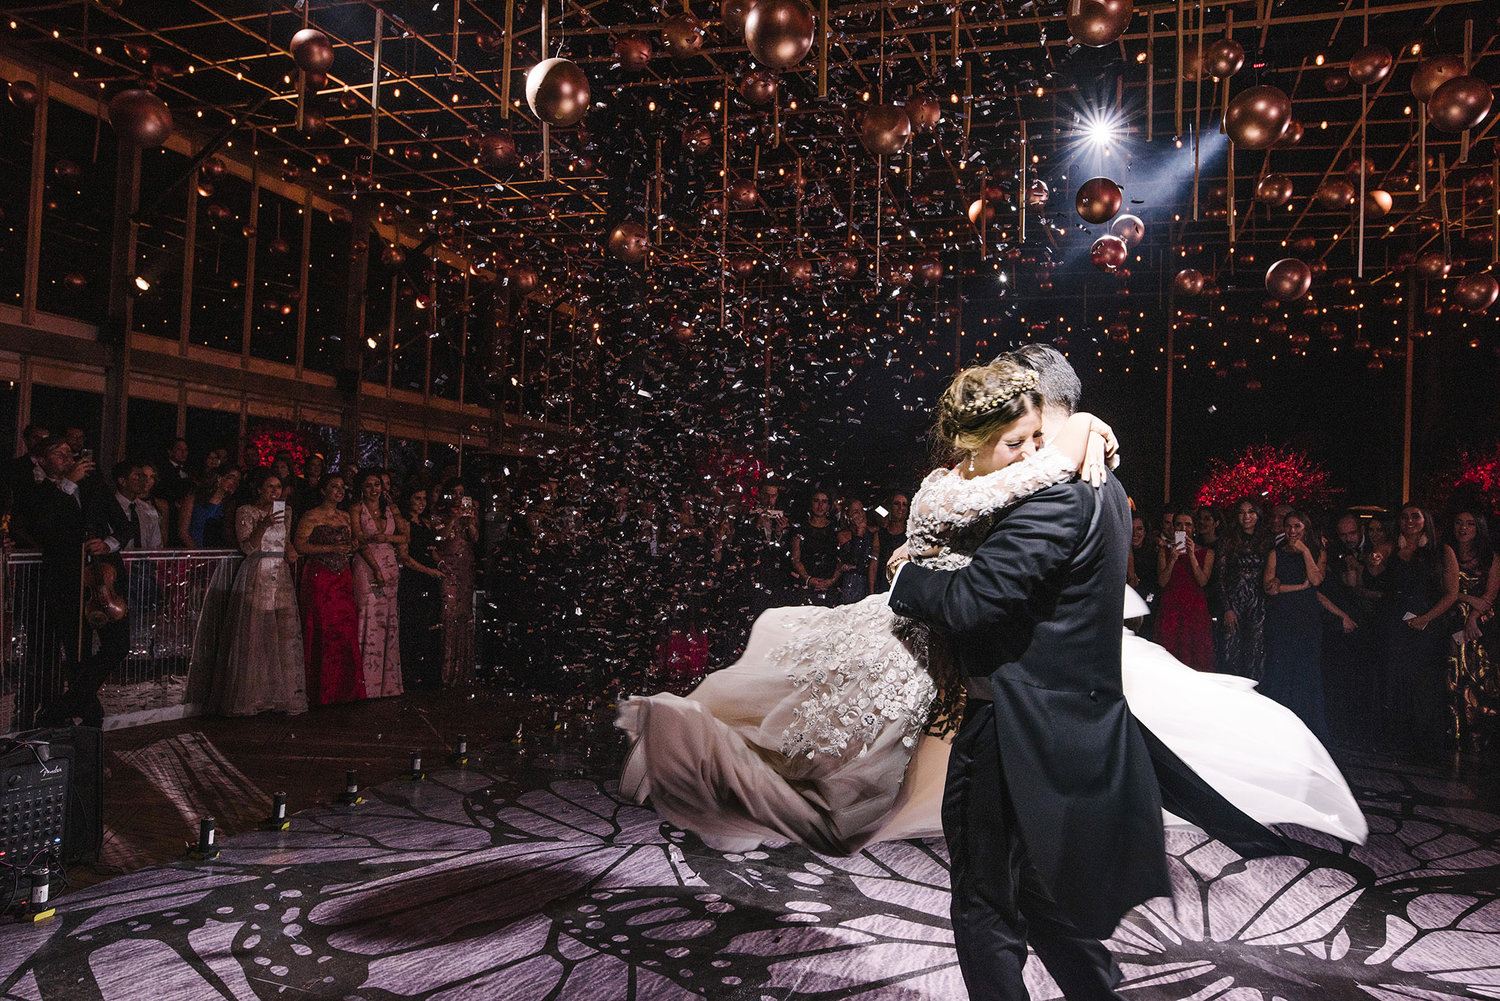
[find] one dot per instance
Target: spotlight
(142, 283)
(1100, 128)
(371, 343)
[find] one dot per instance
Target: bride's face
(1013, 442)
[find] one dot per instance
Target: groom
(1051, 812)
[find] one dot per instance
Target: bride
(832, 729)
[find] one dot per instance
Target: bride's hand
(1095, 462)
(901, 555)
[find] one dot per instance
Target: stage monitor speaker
(33, 805)
(83, 821)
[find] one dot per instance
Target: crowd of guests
(348, 588)
(1380, 631)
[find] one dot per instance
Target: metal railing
(173, 608)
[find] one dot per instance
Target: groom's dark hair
(1055, 379)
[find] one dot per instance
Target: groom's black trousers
(999, 902)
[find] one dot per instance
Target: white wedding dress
(815, 734)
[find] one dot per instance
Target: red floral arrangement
(1269, 474)
(267, 442)
(1477, 476)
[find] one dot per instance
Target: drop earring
(971, 462)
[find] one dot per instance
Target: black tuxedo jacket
(1039, 613)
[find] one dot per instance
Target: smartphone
(278, 506)
(882, 512)
(86, 454)
(1179, 540)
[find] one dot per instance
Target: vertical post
(307, 214)
(189, 265)
(375, 85)
(822, 50)
(116, 330)
(1410, 367)
(350, 377)
(247, 325)
(1166, 488)
(36, 202)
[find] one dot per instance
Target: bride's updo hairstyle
(980, 401)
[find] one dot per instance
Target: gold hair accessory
(991, 399)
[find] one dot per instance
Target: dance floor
(522, 877)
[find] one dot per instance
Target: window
(219, 259)
(17, 125)
(159, 244)
(278, 280)
(77, 215)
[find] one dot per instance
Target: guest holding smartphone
(1182, 624)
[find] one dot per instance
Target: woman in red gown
(1182, 623)
(326, 537)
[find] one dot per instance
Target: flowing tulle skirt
(713, 762)
(260, 650)
(379, 623)
(330, 635)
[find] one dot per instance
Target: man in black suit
(69, 521)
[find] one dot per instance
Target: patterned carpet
(517, 879)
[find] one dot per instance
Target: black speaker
(83, 821)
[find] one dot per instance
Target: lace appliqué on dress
(864, 668)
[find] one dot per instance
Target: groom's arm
(1030, 542)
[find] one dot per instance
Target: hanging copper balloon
(1378, 203)
(393, 257)
(497, 149)
(744, 194)
(1292, 136)
(1224, 58)
(312, 51)
(843, 264)
(981, 209)
(22, 93)
(1336, 193)
(633, 52)
(1460, 103)
(1108, 253)
(1098, 200)
(1288, 280)
(924, 112)
(1192, 64)
(313, 122)
(1336, 80)
(1361, 168)
(557, 92)
(1129, 228)
(682, 35)
(522, 277)
(928, 270)
(1188, 281)
(1432, 72)
(1274, 190)
(758, 88)
(697, 139)
(779, 33)
(1371, 64)
(741, 265)
(140, 117)
(1257, 117)
(628, 242)
(885, 130)
(798, 270)
(489, 40)
(681, 329)
(1303, 244)
(1037, 193)
(1476, 293)
(1097, 23)
(349, 100)
(1432, 266)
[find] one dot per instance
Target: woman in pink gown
(376, 572)
(330, 622)
(1182, 622)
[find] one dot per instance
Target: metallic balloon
(683, 36)
(22, 93)
(758, 87)
(1129, 228)
(522, 277)
(1108, 253)
(393, 256)
(312, 50)
(1371, 64)
(1292, 136)
(1037, 193)
(634, 53)
(349, 100)
(1288, 279)
(928, 270)
(1378, 202)
(1257, 117)
(140, 117)
(1097, 23)
(744, 194)
(497, 149)
(628, 242)
(741, 265)
(885, 129)
(697, 139)
(1361, 168)
(798, 270)
(1432, 73)
(924, 112)
(1336, 80)
(557, 92)
(489, 40)
(1274, 190)
(1460, 103)
(1432, 266)
(1336, 193)
(1224, 58)
(843, 264)
(979, 208)
(1098, 200)
(313, 122)
(1476, 293)
(779, 32)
